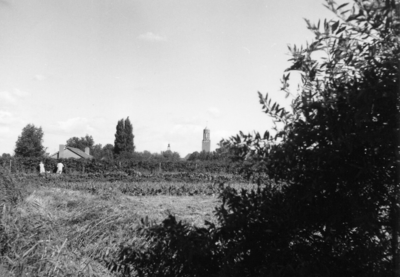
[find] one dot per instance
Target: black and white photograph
(199, 138)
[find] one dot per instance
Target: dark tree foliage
(222, 154)
(123, 144)
(129, 144)
(29, 143)
(170, 156)
(119, 143)
(177, 250)
(97, 151)
(164, 156)
(330, 204)
(202, 156)
(81, 143)
(108, 152)
(338, 146)
(143, 156)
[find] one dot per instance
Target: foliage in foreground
(338, 152)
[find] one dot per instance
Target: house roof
(79, 152)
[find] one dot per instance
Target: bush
(334, 207)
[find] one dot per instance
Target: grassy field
(56, 231)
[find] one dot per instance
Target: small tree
(29, 144)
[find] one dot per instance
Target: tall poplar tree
(123, 144)
(119, 142)
(129, 144)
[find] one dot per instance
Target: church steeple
(206, 143)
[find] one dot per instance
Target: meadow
(68, 226)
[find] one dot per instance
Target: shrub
(336, 161)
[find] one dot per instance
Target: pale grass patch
(62, 232)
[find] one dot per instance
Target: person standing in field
(59, 167)
(41, 168)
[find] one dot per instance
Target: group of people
(42, 170)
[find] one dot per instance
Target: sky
(173, 67)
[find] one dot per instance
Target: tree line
(30, 144)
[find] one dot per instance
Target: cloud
(214, 112)
(76, 124)
(12, 97)
(5, 130)
(247, 50)
(9, 125)
(190, 120)
(182, 130)
(7, 97)
(39, 77)
(217, 135)
(6, 118)
(149, 36)
(20, 93)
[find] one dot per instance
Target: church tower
(206, 140)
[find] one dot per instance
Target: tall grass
(64, 234)
(63, 229)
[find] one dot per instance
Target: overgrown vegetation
(72, 166)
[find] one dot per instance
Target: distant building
(66, 152)
(206, 143)
(169, 147)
